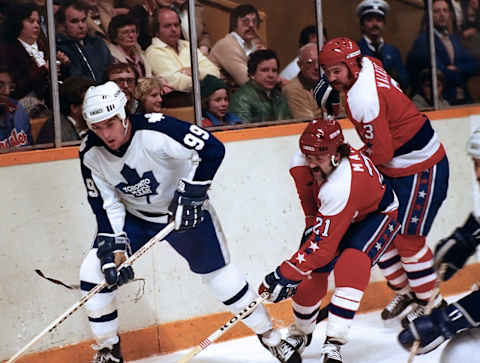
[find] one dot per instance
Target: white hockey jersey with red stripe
(398, 138)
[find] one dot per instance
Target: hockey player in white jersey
(141, 172)
(459, 322)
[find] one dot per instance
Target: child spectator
(149, 94)
(14, 121)
(423, 93)
(215, 103)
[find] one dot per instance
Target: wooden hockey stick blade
(229, 324)
(54, 324)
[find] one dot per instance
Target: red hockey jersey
(398, 138)
(353, 190)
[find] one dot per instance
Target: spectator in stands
(261, 99)
(99, 15)
(215, 102)
(307, 35)
(149, 94)
(422, 94)
(203, 37)
(124, 45)
(455, 62)
(169, 56)
(26, 55)
(372, 15)
(123, 74)
(298, 91)
(73, 126)
(89, 55)
(231, 53)
(470, 26)
(14, 121)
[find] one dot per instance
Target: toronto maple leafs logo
(137, 186)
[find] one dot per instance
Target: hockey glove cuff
(112, 251)
(187, 204)
(279, 287)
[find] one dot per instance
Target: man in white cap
(372, 15)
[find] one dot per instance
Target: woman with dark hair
(124, 46)
(27, 56)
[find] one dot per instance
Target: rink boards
(47, 225)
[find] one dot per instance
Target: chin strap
(332, 160)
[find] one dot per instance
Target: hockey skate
(400, 302)
(298, 339)
(284, 351)
(108, 354)
(331, 351)
(420, 310)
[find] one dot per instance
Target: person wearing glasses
(298, 91)
(124, 76)
(124, 45)
(231, 52)
(14, 121)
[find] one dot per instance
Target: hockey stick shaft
(54, 324)
(229, 324)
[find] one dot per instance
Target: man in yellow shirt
(169, 56)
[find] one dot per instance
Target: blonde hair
(145, 86)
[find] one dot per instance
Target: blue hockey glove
(112, 250)
(186, 206)
(326, 96)
(279, 287)
(432, 330)
(455, 250)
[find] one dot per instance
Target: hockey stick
(218, 333)
(53, 325)
(428, 309)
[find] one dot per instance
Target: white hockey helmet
(379, 7)
(473, 144)
(103, 102)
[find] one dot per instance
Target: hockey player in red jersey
(353, 219)
(403, 145)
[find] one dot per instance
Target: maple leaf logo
(137, 186)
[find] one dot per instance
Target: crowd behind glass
(143, 46)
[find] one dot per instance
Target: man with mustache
(372, 23)
(231, 53)
(403, 145)
(351, 217)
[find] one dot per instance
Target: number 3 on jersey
(195, 137)
(368, 131)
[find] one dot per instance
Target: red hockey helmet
(321, 137)
(338, 50)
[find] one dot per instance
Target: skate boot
(298, 339)
(108, 353)
(331, 351)
(420, 310)
(400, 302)
(281, 349)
